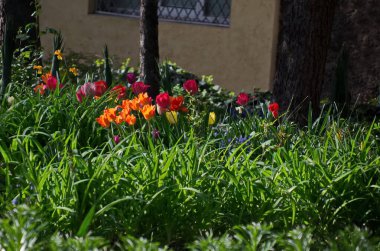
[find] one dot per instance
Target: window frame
(171, 13)
(194, 17)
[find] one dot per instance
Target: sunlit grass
(65, 182)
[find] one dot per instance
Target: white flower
(11, 100)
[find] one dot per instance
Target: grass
(245, 183)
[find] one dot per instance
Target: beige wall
(240, 57)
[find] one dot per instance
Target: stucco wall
(241, 57)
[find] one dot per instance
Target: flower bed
(87, 164)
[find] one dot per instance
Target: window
(216, 12)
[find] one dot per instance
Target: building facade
(233, 40)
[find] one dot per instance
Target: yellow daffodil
(211, 118)
(172, 117)
(59, 55)
(38, 68)
(74, 71)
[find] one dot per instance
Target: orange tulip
(110, 114)
(40, 89)
(118, 119)
(134, 104)
(125, 104)
(125, 113)
(45, 77)
(130, 120)
(144, 99)
(103, 121)
(148, 111)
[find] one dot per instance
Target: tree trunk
(8, 41)
(2, 21)
(15, 14)
(302, 51)
(356, 34)
(149, 51)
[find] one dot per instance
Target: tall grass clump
(242, 177)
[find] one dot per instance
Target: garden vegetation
(91, 165)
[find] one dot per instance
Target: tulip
(130, 119)
(273, 108)
(176, 103)
(99, 87)
(191, 86)
(59, 55)
(155, 133)
(86, 90)
(172, 117)
(103, 121)
(121, 90)
(163, 100)
(242, 99)
(74, 71)
(38, 68)
(51, 83)
(116, 138)
(40, 89)
(131, 77)
(139, 87)
(148, 111)
(211, 118)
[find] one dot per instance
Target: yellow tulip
(38, 68)
(59, 55)
(172, 117)
(74, 71)
(211, 118)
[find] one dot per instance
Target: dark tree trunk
(355, 47)
(2, 20)
(14, 15)
(149, 51)
(305, 31)
(8, 41)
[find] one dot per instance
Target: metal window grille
(214, 12)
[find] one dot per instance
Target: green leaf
(86, 222)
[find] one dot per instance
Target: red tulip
(99, 88)
(273, 108)
(51, 83)
(80, 95)
(163, 100)
(139, 87)
(121, 90)
(191, 86)
(242, 99)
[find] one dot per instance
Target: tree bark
(149, 50)
(305, 31)
(8, 41)
(355, 33)
(2, 20)
(14, 15)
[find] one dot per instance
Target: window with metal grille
(214, 12)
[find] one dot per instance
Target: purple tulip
(155, 133)
(116, 138)
(131, 77)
